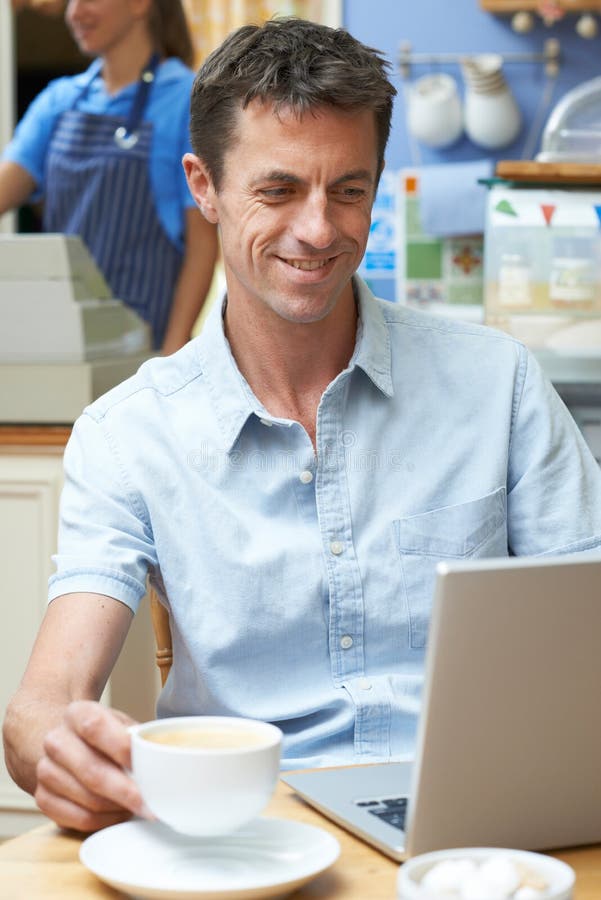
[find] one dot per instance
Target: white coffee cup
(205, 775)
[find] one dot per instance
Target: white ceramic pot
(491, 115)
(434, 113)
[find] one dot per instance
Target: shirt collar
(372, 347)
(234, 401)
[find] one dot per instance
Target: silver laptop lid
(509, 745)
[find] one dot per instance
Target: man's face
(294, 207)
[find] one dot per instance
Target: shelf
(512, 6)
(549, 172)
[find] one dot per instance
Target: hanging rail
(550, 57)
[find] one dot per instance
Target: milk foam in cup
(205, 775)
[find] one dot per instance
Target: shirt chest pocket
(476, 528)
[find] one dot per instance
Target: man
(290, 478)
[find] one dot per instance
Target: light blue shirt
(300, 584)
(167, 110)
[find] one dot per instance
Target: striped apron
(98, 187)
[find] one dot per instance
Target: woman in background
(103, 150)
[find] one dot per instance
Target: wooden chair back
(162, 634)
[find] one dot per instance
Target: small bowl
(558, 876)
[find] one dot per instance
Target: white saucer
(267, 858)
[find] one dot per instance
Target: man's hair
(293, 64)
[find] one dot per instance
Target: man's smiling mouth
(308, 265)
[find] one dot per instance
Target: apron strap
(126, 135)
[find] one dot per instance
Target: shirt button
(365, 684)
(346, 641)
(336, 547)
(306, 477)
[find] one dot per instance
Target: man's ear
(201, 187)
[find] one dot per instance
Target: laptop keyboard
(392, 810)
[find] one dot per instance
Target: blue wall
(438, 26)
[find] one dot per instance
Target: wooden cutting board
(548, 172)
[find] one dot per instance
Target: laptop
(508, 752)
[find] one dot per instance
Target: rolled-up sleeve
(554, 482)
(105, 542)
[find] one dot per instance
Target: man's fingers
(97, 774)
(54, 779)
(95, 771)
(81, 778)
(67, 814)
(104, 729)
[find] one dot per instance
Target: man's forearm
(65, 665)
(61, 745)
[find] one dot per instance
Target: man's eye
(351, 193)
(275, 193)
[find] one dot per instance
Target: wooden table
(43, 864)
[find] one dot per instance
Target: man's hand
(81, 782)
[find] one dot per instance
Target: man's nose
(314, 224)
